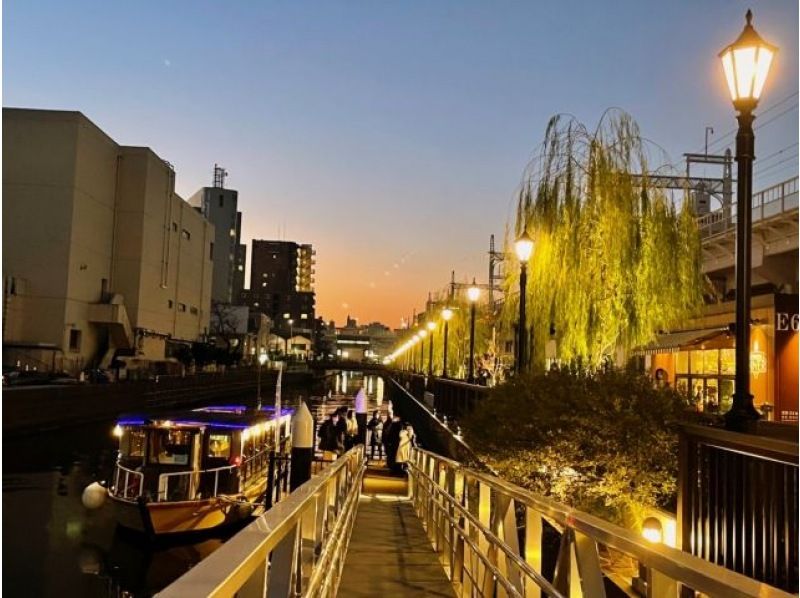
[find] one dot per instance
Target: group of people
(387, 436)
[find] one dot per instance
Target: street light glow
(262, 358)
(524, 247)
(431, 326)
(746, 63)
(422, 333)
(473, 292)
(447, 313)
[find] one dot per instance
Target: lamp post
(431, 327)
(262, 359)
(447, 313)
(524, 248)
(422, 334)
(746, 63)
(473, 294)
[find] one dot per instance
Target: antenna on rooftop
(219, 176)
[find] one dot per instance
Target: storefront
(700, 360)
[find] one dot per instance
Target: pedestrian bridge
(450, 530)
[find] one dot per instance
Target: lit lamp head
(652, 531)
(447, 314)
(523, 247)
(473, 292)
(262, 358)
(431, 326)
(746, 63)
(422, 333)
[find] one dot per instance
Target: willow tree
(615, 259)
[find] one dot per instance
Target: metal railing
(766, 204)
(738, 502)
(297, 548)
(490, 536)
(129, 490)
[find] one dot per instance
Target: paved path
(390, 555)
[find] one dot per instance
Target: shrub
(604, 442)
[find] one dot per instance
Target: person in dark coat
(331, 440)
(375, 427)
(392, 442)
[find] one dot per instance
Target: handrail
(137, 475)
(723, 219)
(297, 548)
(439, 484)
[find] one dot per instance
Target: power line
(767, 110)
(768, 168)
(761, 161)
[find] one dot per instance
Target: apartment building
(101, 258)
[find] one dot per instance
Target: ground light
(746, 63)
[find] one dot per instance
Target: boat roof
(218, 416)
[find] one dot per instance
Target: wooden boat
(194, 470)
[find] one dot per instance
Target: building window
(170, 303)
(75, 340)
(263, 275)
(174, 227)
(241, 268)
(263, 284)
(221, 200)
(255, 304)
(193, 310)
(304, 316)
(211, 250)
(186, 234)
(181, 307)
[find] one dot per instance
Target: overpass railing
(454, 398)
(297, 548)
(490, 536)
(767, 203)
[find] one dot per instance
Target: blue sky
(392, 135)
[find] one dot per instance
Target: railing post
(282, 567)
(270, 481)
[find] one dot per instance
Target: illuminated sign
(787, 322)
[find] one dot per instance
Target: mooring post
(302, 447)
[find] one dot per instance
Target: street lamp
(746, 63)
(431, 327)
(422, 334)
(524, 248)
(447, 313)
(262, 359)
(473, 294)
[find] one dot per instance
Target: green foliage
(615, 261)
(603, 442)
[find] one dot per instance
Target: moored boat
(194, 470)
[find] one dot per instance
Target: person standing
(351, 430)
(403, 455)
(331, 443)
(392, 442)
(375, 428)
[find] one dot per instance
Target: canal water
(53, 546)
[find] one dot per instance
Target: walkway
(390, 555)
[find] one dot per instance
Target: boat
(192, 471)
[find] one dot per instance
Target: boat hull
(165, 518)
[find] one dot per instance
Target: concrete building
(219, 206)
(282, 285)
(101, 258)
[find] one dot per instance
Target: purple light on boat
(131, 422)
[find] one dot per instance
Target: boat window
(170, 447)
(219, 446)
(133, 443)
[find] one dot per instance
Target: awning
(676, 341)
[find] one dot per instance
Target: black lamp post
(524, 248)
(431, 327)
(746, 63)
(447, 313)
(473, 294)
(422, 334)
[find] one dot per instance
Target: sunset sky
(390, 135)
